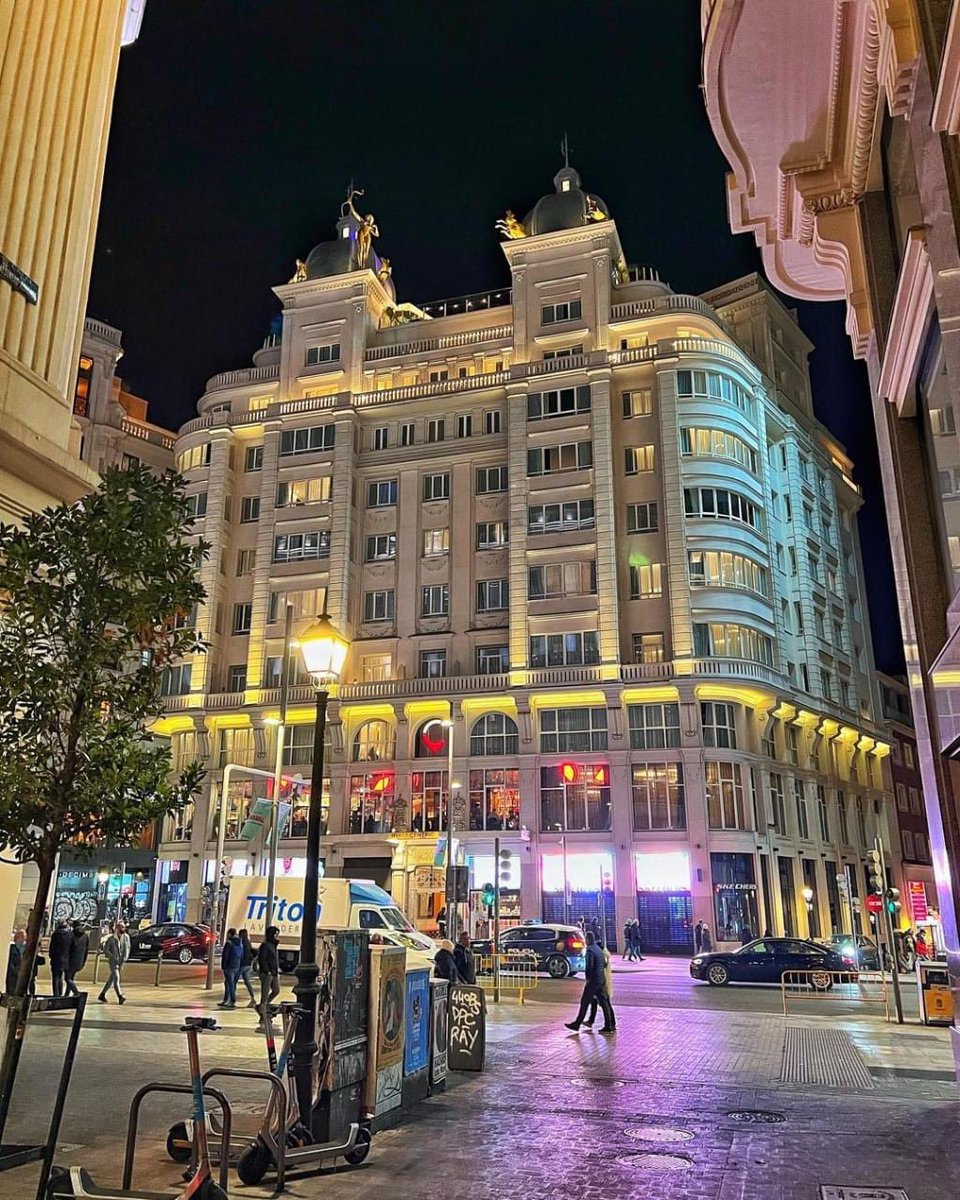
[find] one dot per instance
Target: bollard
(156, 981)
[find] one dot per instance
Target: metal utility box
(936, 1000)
(344, 960)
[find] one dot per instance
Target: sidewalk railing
(510, 972)
(861, 987)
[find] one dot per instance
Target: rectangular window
(242, 617)
(560, 403)
(723, 568)
(381, 493)
(433, 664)
(581, 803)
(249, 509)
(307, 441)
(464, 425)
(565, 649)
(246, 562)
(435, 429)
(298, 745)
(549, 460)
(562, 579)
(381, 546)
(491, 421)
(778, 808)
(646, 581)
(654, 726)
(439, 376)
(658, 799)
(942, 420)
(435, 601)
(253, 458)
(237, 677)
(435, 541)
(196, 456)
(638, 459)
(323, 354)
(551, 314)
(376, 668)
(719, 723)
(720, 504)
(717, 443)
(175, 681)
(378, 606)
(823, 813)
(638, 403)
(292, 493)
(800, 797)
(725, 808)
(407, 433)
(648, 648)
(493, 534)
(297, 547)
(560, 518)
(436, 487)
(717, 387)
(491, 479)
(305, 602)
(492, 660)
(493, 595)
(732, 641)
(572, 730)
(381, 437)
(235, 746)
(643, 518)
(197, 505)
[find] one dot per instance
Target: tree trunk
(46, 862)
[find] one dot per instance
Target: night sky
(237, 127)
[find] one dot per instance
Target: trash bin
(936, 1000)
(344, 1014)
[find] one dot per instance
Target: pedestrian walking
(79, 949)
(230, 958)
(246, 965)
(637, 937)
(445, 965)
(698, 937)
(706, 940)
(442, 922)
(464, 960)
(116, 950)
(60, 942)
(593, 988)
(610, 1017)
(626, 941)
(14, 959)
(268, 968)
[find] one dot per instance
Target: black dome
(569, 207)
(339, 256)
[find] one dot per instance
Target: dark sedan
(766, 959)
(174, 940)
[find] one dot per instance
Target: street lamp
(448, 896)
(323, 649)
(807, 894)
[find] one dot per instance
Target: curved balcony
(635, 309)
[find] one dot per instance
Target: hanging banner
(259, 817)
(918, 900)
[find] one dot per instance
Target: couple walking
(69, 948)
(236, 963)
(597, 990)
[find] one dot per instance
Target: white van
(341, 904)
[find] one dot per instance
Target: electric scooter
(74, 1183)
(299, 1148)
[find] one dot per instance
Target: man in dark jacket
(463, 957)
(79, 949)
(230, 959)
(61, 941)
(594, 988)
(14, 958)
(444, 965)
(268, 968)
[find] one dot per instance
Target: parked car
(863, 953)
(560, 949)
(764, 960)
(173, 940)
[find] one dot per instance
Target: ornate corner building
(590, 522)
(839, 119)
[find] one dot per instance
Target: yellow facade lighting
(650, 695)
(806, 720)
(751, 697)
(847, 734)
(881, 750)
(829, 728)
(784, 712)
(866, 744)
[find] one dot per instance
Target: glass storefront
(578, 888)
(734, 896)
(664, 907)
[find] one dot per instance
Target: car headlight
(697, 960)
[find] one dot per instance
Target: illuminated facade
(590, 521)
(846, 171)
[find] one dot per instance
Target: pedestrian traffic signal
(892, 897)
(489, 895)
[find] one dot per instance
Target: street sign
(874, 903)
(918, 900)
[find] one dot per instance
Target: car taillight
(574, 943)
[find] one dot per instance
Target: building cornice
(910, 315)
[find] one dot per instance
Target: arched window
(431, 740)
(373, 742)
(494, 733)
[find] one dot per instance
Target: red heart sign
(432, 746)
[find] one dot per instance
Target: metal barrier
(164, 965)
(861, 987)
(185, 1089)
(276, 1110)
(515, 971)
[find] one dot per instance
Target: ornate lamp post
(323, 649)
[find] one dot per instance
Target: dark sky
(237, 126)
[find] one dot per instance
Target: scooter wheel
(361, 1147)
(212, 1191)
(253, 1163)
(179, 1143)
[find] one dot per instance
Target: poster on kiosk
(384, 1086)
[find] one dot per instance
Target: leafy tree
(95, 601)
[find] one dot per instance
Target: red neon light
(383, 783)
(600, 775)
(569, 772)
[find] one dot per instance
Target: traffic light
(505, 868)
(875, 881)
(892, 898)
(489, 895)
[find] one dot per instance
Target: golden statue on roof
(510, 227)
(299, 272)
(366, 225)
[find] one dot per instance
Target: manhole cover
(597, 1081)
(657, 1133)
(756, 1116)
(656, 1162)
(862, 1193)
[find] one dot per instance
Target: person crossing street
(594, 988)
(116, 950)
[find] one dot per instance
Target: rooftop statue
(510, 227)
(366, 226)
(385, 270)
(594, 212)
(300, 272)
(403, 314)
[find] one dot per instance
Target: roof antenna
(565, 149)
